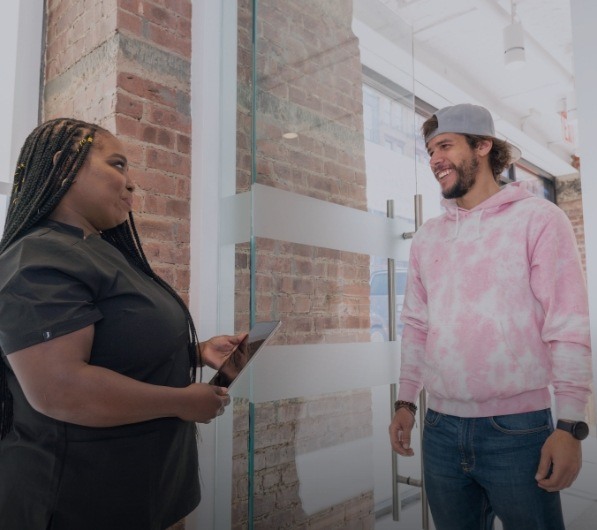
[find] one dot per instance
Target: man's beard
(466, 178)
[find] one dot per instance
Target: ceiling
(458, 48)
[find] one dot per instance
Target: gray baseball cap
(468, 119)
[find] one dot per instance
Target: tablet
(258, 337)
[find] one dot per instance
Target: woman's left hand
(216, 350)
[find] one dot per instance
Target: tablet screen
(258, 336)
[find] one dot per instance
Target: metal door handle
(397, 478)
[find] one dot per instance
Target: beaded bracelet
(412, 408)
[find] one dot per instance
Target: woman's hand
(58, 381)
(203, 402)
(216, 350)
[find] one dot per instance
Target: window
(371, 114)
(386, 121)
(535, 181)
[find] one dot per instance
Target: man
(495, 311)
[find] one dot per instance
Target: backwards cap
(468, 119)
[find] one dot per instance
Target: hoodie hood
(509, 194)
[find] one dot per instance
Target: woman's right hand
(204, 402)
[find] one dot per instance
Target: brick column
(125, 64)
(569, 199)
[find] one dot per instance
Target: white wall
(8, 60)
(204, 206)
(20, 42)
(584, 40)
(213, 91)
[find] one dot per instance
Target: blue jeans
(478, 468)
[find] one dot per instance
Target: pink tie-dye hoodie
(496, 310)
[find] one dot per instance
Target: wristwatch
(578, 429)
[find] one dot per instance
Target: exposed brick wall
(569, 198)
(80, 60)
(308, 81)
(125, 64)
(283, 431)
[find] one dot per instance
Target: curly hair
(49, 161)
(499, 156)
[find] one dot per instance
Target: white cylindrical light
(514, 54)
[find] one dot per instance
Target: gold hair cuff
(87, 140)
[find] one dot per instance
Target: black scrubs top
(63, 476)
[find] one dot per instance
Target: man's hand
(400, 429)
(562, 454)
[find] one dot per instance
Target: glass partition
(326, 147)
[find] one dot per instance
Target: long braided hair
(49, 161)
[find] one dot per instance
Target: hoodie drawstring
(457, 227)
(479, 224)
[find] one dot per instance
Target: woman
(99, 354)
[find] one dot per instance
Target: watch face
(580, 430)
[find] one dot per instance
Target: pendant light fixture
(514, 52)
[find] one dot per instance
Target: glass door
(320, 218)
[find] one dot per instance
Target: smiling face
(454, 163)
(466, 177)
(101, 196)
